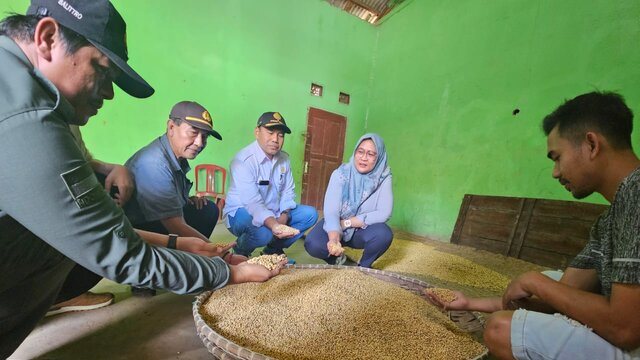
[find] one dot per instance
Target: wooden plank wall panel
(542, 231)
(494, 202)
(493, 246)
(545, 258)
(568, 209)
(472, 230)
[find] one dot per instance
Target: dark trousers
(375, 240)
(203, 220)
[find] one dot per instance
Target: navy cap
(101, 24)
(273, 120)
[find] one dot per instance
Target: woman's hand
(333, 245)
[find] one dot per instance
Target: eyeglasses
(370, 154)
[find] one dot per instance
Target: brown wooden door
(322, 154)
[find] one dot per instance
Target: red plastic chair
(212, 188)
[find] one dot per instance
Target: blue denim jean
(250, 237)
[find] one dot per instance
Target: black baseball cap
(273, 120)
(101, 24)
(194, 114)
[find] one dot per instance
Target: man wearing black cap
(161, 203)
(260, 206)
(58, 65)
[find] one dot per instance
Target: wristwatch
(173, 241)
(347, 223)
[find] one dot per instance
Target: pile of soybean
(334, 314)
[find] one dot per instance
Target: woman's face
(365, 156)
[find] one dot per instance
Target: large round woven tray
(222, 348)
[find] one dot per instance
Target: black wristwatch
(173, 241)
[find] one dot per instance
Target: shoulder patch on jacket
(83, 185)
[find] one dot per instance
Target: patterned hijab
(357, 187)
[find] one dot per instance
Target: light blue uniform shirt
(248, 169)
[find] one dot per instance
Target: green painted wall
(239, 59)
(448, 74)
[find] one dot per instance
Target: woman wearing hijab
(357, 204)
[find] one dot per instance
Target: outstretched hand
(198, 246)
(246, 272)
(460, 303)
(284, 232)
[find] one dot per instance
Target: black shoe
(142, 292)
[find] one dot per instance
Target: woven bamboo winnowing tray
(222, 348)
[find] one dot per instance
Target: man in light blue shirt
(261, 193)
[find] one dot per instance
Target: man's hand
(518, 289)
(198, 201)
(198, 246)
(333, 245)
(284, 232)
(234, 259)
(460, 303)
(283, 219)
(120, 177)
(246, 272)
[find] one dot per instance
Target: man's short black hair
(23, 27)
(604, 112)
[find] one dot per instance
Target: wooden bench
(544, 232)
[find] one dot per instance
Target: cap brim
(212, 132)
(285, 128)
(215, 134)
(128, 80)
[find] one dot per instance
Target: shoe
(340, 260)
(344, 260)
(86, 301)
(142, 292)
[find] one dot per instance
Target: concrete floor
(159, 327)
